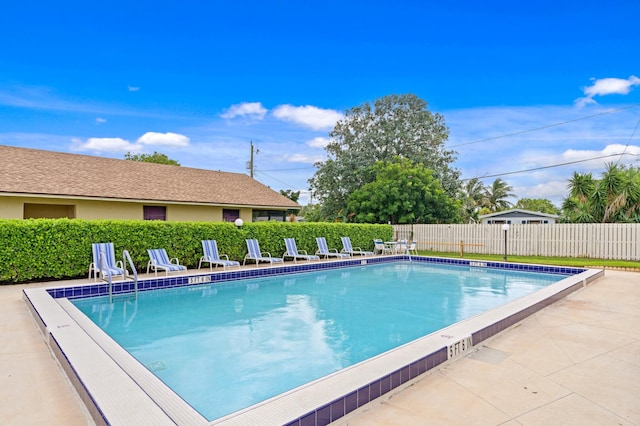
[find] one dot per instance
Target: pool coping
(117, 389)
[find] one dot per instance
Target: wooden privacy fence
(620, 241)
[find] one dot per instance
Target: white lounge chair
(256, 255)
(158, 259)
(211, 256)
(348, 248)
(326, 252)
(413, 249)
(293, 252)
(104, 261)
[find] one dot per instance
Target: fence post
(462, 248)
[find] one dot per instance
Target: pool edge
(322, 408)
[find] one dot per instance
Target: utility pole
(250, 163)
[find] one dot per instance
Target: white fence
(619, 241)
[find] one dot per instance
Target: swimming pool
(331, 396)
(224, 347)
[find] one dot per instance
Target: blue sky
(522, 85)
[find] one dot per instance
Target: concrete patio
(574, 363)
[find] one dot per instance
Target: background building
(45, 184)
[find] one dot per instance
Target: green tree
(472, 196)
(394, 125)
(311, 213)
(541, 205)
(613, 198)
(496, 196)
(403, 192)
(291, 194)
(156, 157)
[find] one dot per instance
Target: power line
(544, 127)
(546, 167)
(277, 180)
(286, 170)
(629, 141)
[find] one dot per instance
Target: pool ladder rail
(126, 260)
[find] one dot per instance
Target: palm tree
(496, 196)
(623, 193)
(613, 198)
(581, 185)
(472, 198)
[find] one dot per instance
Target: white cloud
(100, 120)
(308, 116)
(318, 142)
(123, 145)
(607, 86)
(501, 140)
(250, 109)
(303, 158)
(105, 145)
(597, 158)
(553, 190)
(163, 139)
(133, 88)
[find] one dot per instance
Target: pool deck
(575, 362)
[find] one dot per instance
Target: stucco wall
(185, 213)
(246, 215)
(107, 210)
(12, 207)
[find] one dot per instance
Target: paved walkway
(574, 363)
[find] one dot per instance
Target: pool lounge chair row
(292, 251)
(105, 263)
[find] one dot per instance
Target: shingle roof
(38, 172)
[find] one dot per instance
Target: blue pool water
(227, 346)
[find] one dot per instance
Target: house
(45, 184)
(518, 216)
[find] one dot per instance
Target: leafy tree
(403, 192)
(613, 198)
(394, 125)
(541, 205)
(496, 196)
(311, 213)
(291, 194)
(156, 157)
(483, 211)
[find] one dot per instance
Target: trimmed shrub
(50, 249)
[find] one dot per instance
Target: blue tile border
(342, 406)
(124, 287)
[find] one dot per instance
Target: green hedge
(45, 249)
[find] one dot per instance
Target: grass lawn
(558, 261)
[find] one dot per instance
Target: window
(230, 215)
(154, 213)
(49, 211)
(266, 215)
